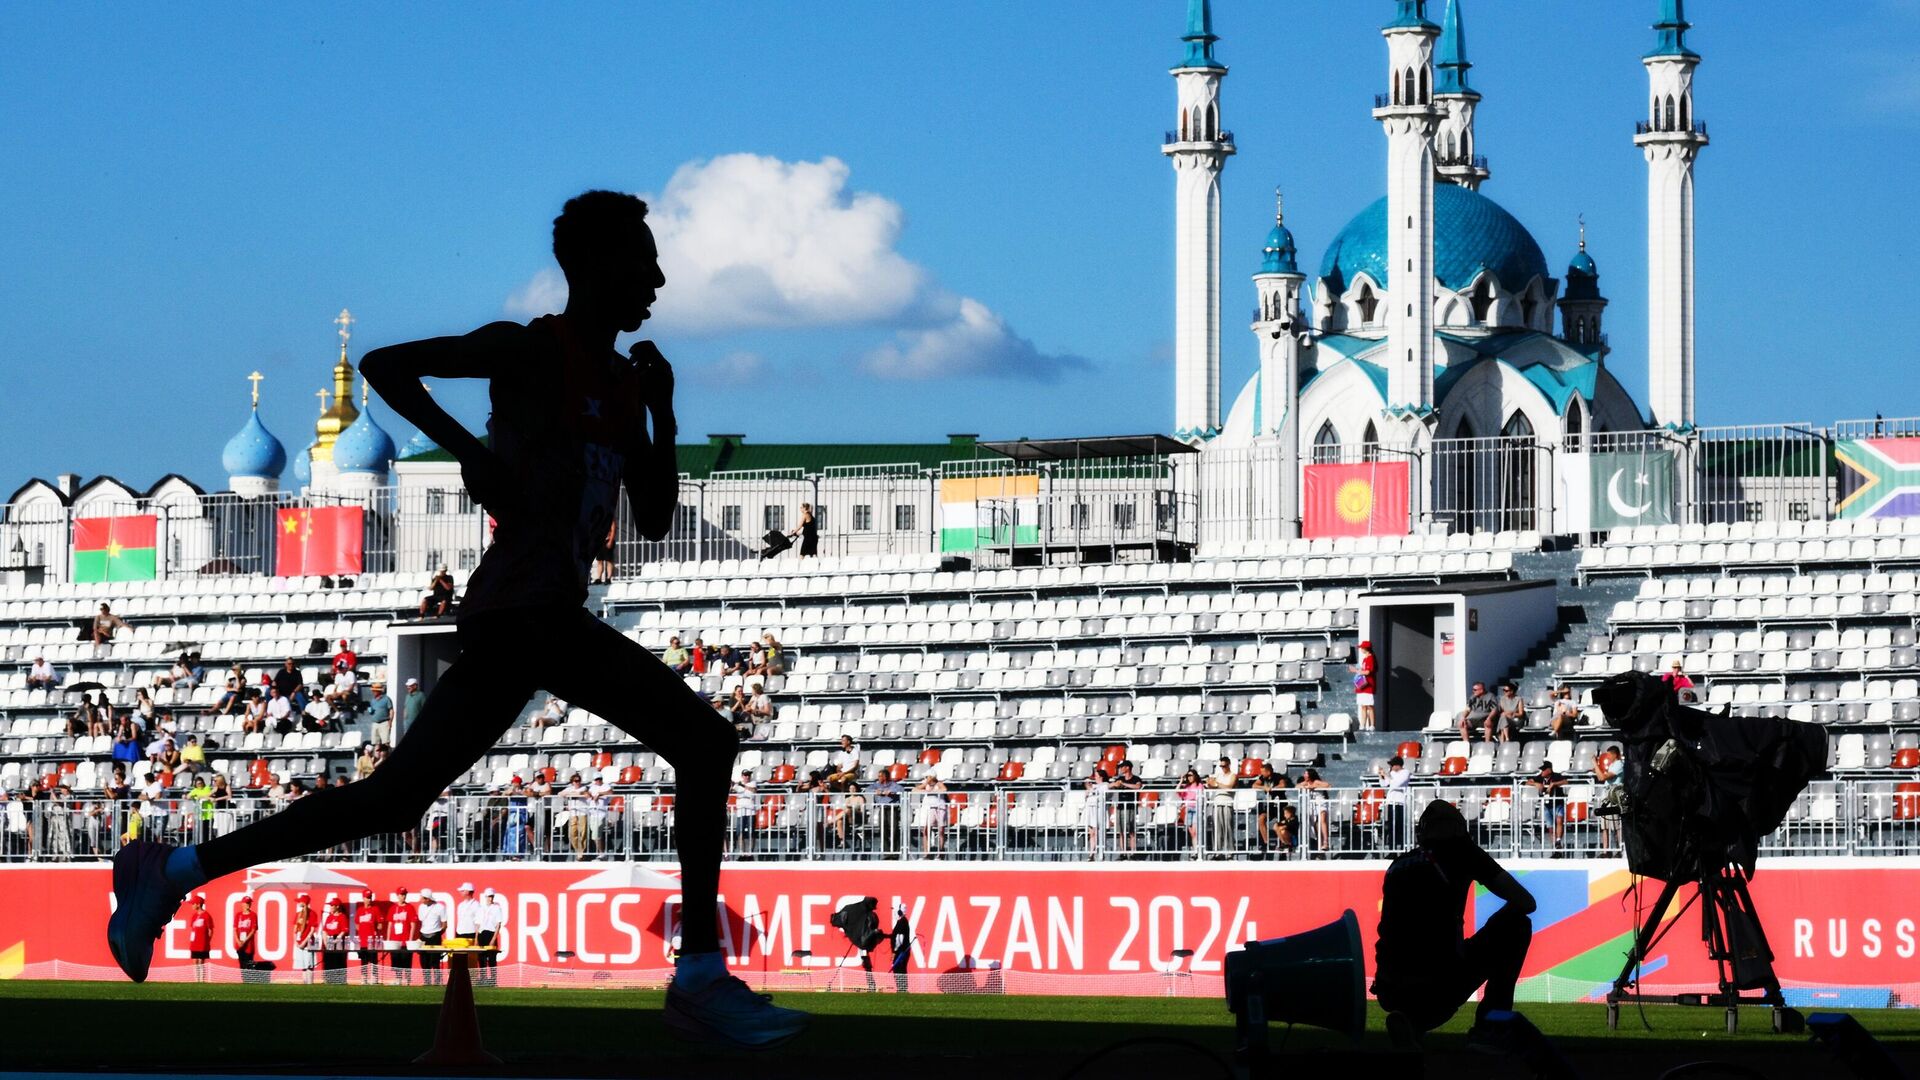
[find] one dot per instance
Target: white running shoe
(728, 1011)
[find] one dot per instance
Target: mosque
(1348, 360)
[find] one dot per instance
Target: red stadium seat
(617, 805)
(956, 806)
(1114, 755)
(900, 771)
(603, 759)
(1012, 770)
(630, 775)
(1454, 766)
(1578, 811)
(782, 774)
(1906, 758)
(68, 768)
(1906, 802)
(930, 756)
(1603, 762)
(1249, 767)
(549, 773)
(1367, 809)
(771, 806)
(1409, 750)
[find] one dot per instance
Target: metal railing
(1017, 822)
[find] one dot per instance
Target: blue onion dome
(1583, 277)
(1278, 254)
(303, 468)
(364, 447)
(253, 451)
(1471, 233)
(418, 445)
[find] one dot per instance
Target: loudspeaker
(1315, 977)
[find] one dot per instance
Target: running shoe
(728, 1011)
(144, 902)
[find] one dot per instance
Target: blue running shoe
(727, 1011)
(144, 902)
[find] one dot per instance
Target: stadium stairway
(1584, 610)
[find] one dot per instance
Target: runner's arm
(653, 464)
(395, 372)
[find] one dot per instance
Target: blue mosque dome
(1470, 232)
(253, 451)
(1583, 276)
(363, 447)
(1278, 252)
(303, 468)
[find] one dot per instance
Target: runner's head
(605, 249)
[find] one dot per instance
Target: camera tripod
(1730, 927)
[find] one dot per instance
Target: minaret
(1279, 330)
(1581, 304)
(1453, 143)
(1408, 115)
(1199, 149)
(1671, 139)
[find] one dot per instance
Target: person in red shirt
(305, 938)
(333, 935)
(245, 925)
(400, 931)
(1363, 685)
(699, 656)
(345, 659)
(199, 936)
(369, 925)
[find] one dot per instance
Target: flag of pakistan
(1632, 489)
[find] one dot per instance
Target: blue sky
(964, 216)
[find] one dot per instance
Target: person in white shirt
(553, 714)
(599, 796)
(1397, 778)
(575, 808)
(279, 710)
(493, 921)
(846, 761)
(433, 930)
(41, 676)
(466, 913)
(319, 715)
(745, 803)
(1221, 785)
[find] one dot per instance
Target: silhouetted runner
(569, 425)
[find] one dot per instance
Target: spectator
(230, 699)
(698, 656)
(552, 714)
(439, 598)
(192, 754)
(776, 663)
(1123, 789)
(1398, 780)
(727, 662)
(104, 625)
(846, 760)
(257, 717)
(177, 675)
(848, 809)
(380, 715)
(136, 819)
(599, 800)
(363, 765)
(241, 933)
(1678, 681)
(306, 937)
(142, 707)
(737, 714)
(1321, 806)
(516, 840)
(1564, 715)
(756, 659)
(411, 706)
(222, 803)
(369, 926)
(343, 693)
(808, 531)
(760, 706)
(1424, 968)
(167, 757)
(200, 800)
(932, 792)
(199, 936)
(1190, 789)
(346, 659)
(1479, 712)
(56, 822)
(1553, 800)
(290, 683)
(493, 925)
(1266, 822)
(884, 794)
(317, 716)
(1221, 785)
(279, 711)
(1509, 714)
(603, 558)
(401, 921)
(41, 675)
(1363, 684)
(82, 720)
(676, 657)
(116, 789)
(433, 929)
(1095, 811)
(574, 815)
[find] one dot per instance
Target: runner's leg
(613, 677)
(475, 701)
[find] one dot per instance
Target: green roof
(733, 453)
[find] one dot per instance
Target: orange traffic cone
(456, 1037)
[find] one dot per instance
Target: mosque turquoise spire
(1671, 30)
(1200, 36)
(1450, 54)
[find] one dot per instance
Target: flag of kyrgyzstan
(115, 548)
(322, 540)
(1368, 499)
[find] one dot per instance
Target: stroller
(776, 542)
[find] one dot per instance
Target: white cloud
(975, 342)
(733, 369)
(749, 242)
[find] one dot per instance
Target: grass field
(596, 1033)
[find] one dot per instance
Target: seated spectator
(166, 725)
(776, 663)
(1478, 713)
(279, 711)
(102, 721)
(727, 662)
(317, 716)
(196, 669)
(1509, 714)
(41, 675)
(760, 707)
(143, 708)
(291, 684)
(552, 714)
(1565, 713)
(82, 719)
(846, 760)
(256, 718)
(740, 707)
(439, 598)
(1681, 684)
(741, 720)
(346, 659)
(676, 656)
(126, 744)
(193, 754)
(756, 659)
(343, 693)
(363, 765)
(229, 700)
(162, 753)
(179, 675)
(116, 789)
(104, 625)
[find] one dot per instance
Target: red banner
(1832, 923)
(323, 540)
(1369, 499)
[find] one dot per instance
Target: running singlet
(559, 426)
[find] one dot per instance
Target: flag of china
(323, 540)
(1368, 499)
(115, 548)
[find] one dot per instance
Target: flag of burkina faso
(115, 548)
